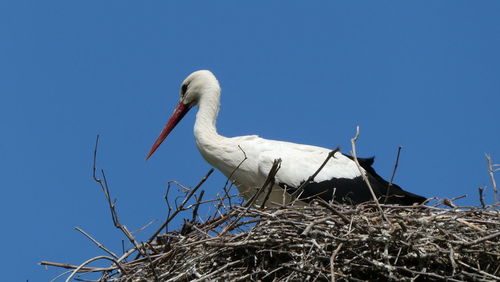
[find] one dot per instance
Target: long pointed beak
(180, 111)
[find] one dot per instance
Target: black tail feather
(388, 193)
(355, 190)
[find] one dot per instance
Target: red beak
(179, 113)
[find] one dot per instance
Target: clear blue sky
(421, 74)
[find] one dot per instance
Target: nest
(323, 241)
(327, 241)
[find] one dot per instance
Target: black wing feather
(355, 190)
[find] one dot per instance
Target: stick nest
(326, 241)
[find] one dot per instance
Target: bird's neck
(205, 131)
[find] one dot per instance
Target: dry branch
(98, 244)
(363, 174)
(112, 207)
(299, 190)
(491, 171)
(181, 207)
(393, 174)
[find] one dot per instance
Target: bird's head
(195, 87)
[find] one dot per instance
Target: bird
(247, 160)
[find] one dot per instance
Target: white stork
(339, 180)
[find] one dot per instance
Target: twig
(393, 174)
(332, 261)
(481, 199)
(180, 208)
(231, 175)
(126, 254)
(449, 203)
(143, 227)
(169, 208)
(95, 159)
(61, 275)
(458, 197)
(151, 266)
(485, 238)
(204, 278)
(311, 178)
(101, 246)
(273, 172)
(311, 225)
(269, 180)
(480, 271)
(363, 174)
(430, 274)
(70, 266)
(452, 259)
(105, 188)
(208, 201)
(114, 215)
(491, 171)
(196, 206)
(94, 259)
(336, 212)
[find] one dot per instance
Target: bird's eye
(184, 89)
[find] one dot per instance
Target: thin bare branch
(101, 246)
(103, 183)
(393, 174)
(268, 183)
(299, 190)
(144, 227)
(226, 189)
(492, 178)
(180, 208)
(363, 174)
(70, 266)
(81, 266)
(481, 199)
(332, 261)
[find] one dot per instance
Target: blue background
(420, 74)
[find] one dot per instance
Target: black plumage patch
(355, 190)
(343, 190)
(184, 88)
